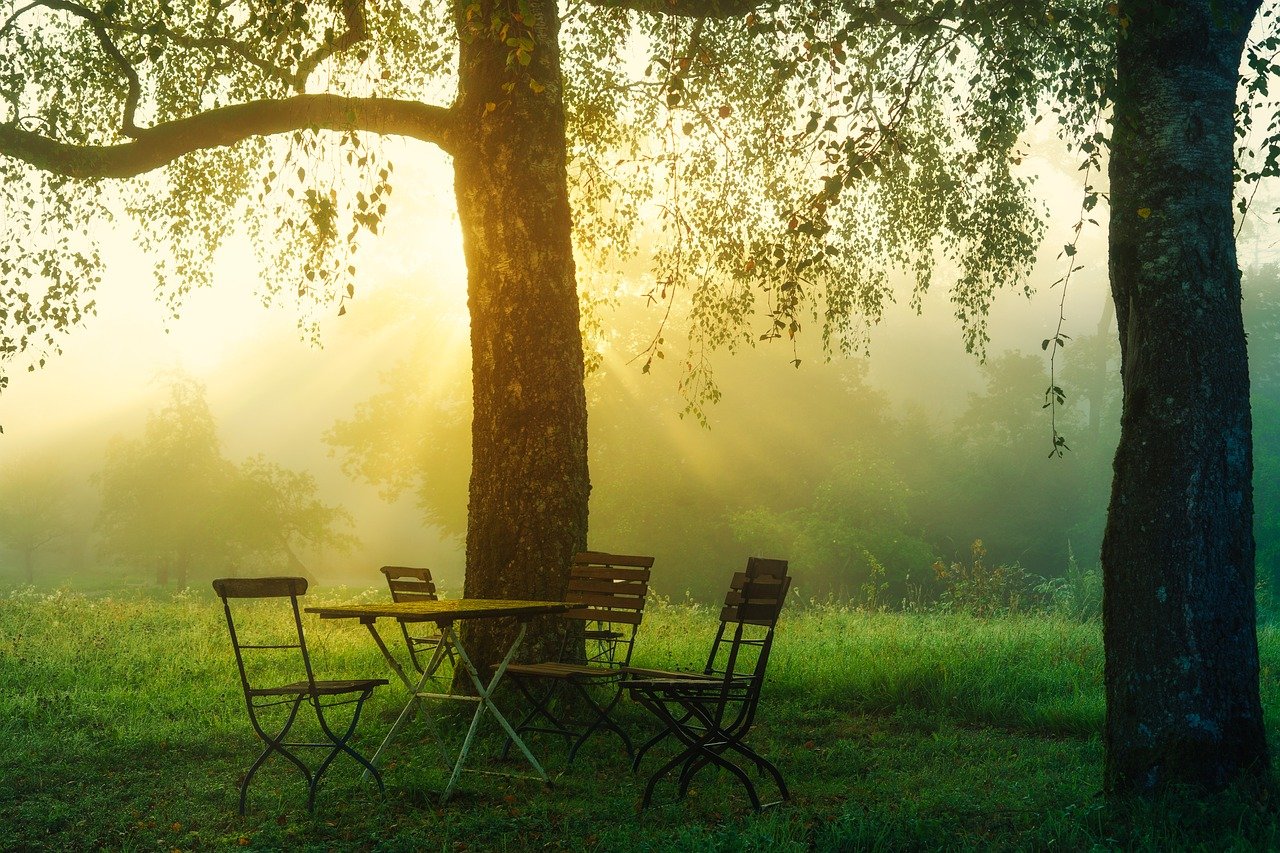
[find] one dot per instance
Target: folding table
(444, 614)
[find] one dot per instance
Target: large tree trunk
(1178, 554)
(529, 486)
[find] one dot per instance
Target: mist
(879, 475)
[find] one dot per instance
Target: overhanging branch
(226, 126)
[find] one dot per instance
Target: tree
(176, 88)
(33, 509)
(172, 500)
(1178, 552)
(858, 162)
(276, 513)
(163, 493)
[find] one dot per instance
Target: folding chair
(426, 651)
(612, 589)
(711, 712)
(292, 695)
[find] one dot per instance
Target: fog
(873, 474)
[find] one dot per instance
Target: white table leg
(486, 703)
(415, 690)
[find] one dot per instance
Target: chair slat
(610, 601)
(608, 587)
(752, 614)
(420, 587)
(609, 573)
(603, 558)
(625, 617)
(259, 587)
(762, 566)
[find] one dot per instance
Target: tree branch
(127, 126)
(226, 126)
(684, 8)
(357, 31)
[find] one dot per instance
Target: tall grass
(122, 726)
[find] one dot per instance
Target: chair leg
(602, 720)
(273, 744)
(340, 745)
(701, 750)
(537, 708)
(763, 765)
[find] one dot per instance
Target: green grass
(122, 727)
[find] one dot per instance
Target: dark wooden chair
(711, 712)
(321, 696)
(612, 589)
(427, 651)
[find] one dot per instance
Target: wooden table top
(444, 610)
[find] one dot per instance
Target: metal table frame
(444, 614)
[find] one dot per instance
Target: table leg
(386, 653)
(485, 702)
(415, 690)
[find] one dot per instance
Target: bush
(981, 590)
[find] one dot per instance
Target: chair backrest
(755, 599)
(612, 589)
(260, 588)
(409, 584)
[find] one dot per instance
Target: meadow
(122, 727)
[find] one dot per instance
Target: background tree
(857, 143)
(164, 493)
(199, 95)
(171, 499)
(276, 514)
(34, 510)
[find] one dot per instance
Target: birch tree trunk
(527, 514)
(1178, 554)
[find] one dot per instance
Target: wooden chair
(427, 651)
(711, 712)
(612, 589)
(292, 695)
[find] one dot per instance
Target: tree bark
(1178, 553)
(527, 514)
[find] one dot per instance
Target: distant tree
(856, 531)
(1262, 320)
(173, 501)
(413, 436)
(34, 509)
(277, 515)
(163, 493)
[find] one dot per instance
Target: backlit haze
(274, 394)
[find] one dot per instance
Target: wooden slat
(607, 559)
(762, 566)
(626, 617)
(259, 587)
(414, 596)
(609, 601)
(755, 614)
(411, 586)
(609, 573)
(406, 572)
(607, 586)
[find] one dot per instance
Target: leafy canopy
(792, 158)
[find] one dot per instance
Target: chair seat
(639, 673)
(687, 688)
(323, 688)
(570, 671)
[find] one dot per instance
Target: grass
(122, 727)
